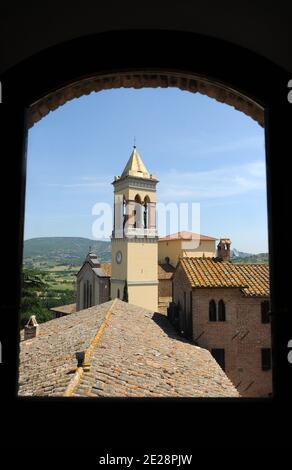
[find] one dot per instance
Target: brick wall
(242, 335)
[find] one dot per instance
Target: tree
(125, 293)
(33, 291)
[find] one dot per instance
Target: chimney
(223, 249)
(31, 328)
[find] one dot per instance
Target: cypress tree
(125, 293)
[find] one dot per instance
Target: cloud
(212, 184)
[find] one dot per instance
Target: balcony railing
(136, 232)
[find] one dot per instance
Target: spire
(135, 166)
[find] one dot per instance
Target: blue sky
(201, 151)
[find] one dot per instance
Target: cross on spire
(134, 142)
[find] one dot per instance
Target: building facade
(92, 283)
(224, 308)
(185, 244)
(134, 236)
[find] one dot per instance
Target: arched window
(124, 212)
(90, 296)
(212, 310)
(221, 310)
(146, 211)
(87, 294)
(138, 212)
(118, 293)
(84, 295)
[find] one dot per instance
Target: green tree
(33, 291)
(125, 293)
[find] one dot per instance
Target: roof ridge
(74, 382)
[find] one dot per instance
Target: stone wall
(152, 79)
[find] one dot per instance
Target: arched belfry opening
(146, 211)
(138, 212)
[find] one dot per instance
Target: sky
(201, 151)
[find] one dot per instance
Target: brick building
(224, 307)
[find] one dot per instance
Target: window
(212, 310)
(185, 302)
(221, 310)
(265, 311)
(266, 359)
(118, 293)
(84, 295)
(87, 294)
(90, 296)
(146, 211)
(219, 356)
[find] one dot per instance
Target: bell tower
(134, 237)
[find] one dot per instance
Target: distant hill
(50, 251)
(239, 254)
(259, 258)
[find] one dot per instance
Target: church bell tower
(134, 237)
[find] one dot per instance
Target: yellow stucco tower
(134, 237)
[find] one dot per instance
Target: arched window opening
(212, 310)
(118, 294)
(138, 212)
(221, 311)
(90, 296)
(84, 296)
(124, 212)
(146, 212)
(87, 294)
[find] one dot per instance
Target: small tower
(223, 249)
(134, 237)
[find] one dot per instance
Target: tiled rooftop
(132, 352)
(184, 235)
(67, 309)
(165, 271)
(252, 279)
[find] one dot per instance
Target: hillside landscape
(63, 251)
(53, 262)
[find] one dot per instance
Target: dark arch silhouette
(247, 74)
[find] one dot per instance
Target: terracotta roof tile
(252, 279)
(184, 235)
(138, 354)
(107, 268)
(69, 308)
(165, 270)
(257, 277)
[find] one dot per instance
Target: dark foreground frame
(249, 74)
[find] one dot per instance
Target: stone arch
(138, 211)
(146, 79)
(138, 199)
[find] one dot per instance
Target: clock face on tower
(119, 257)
